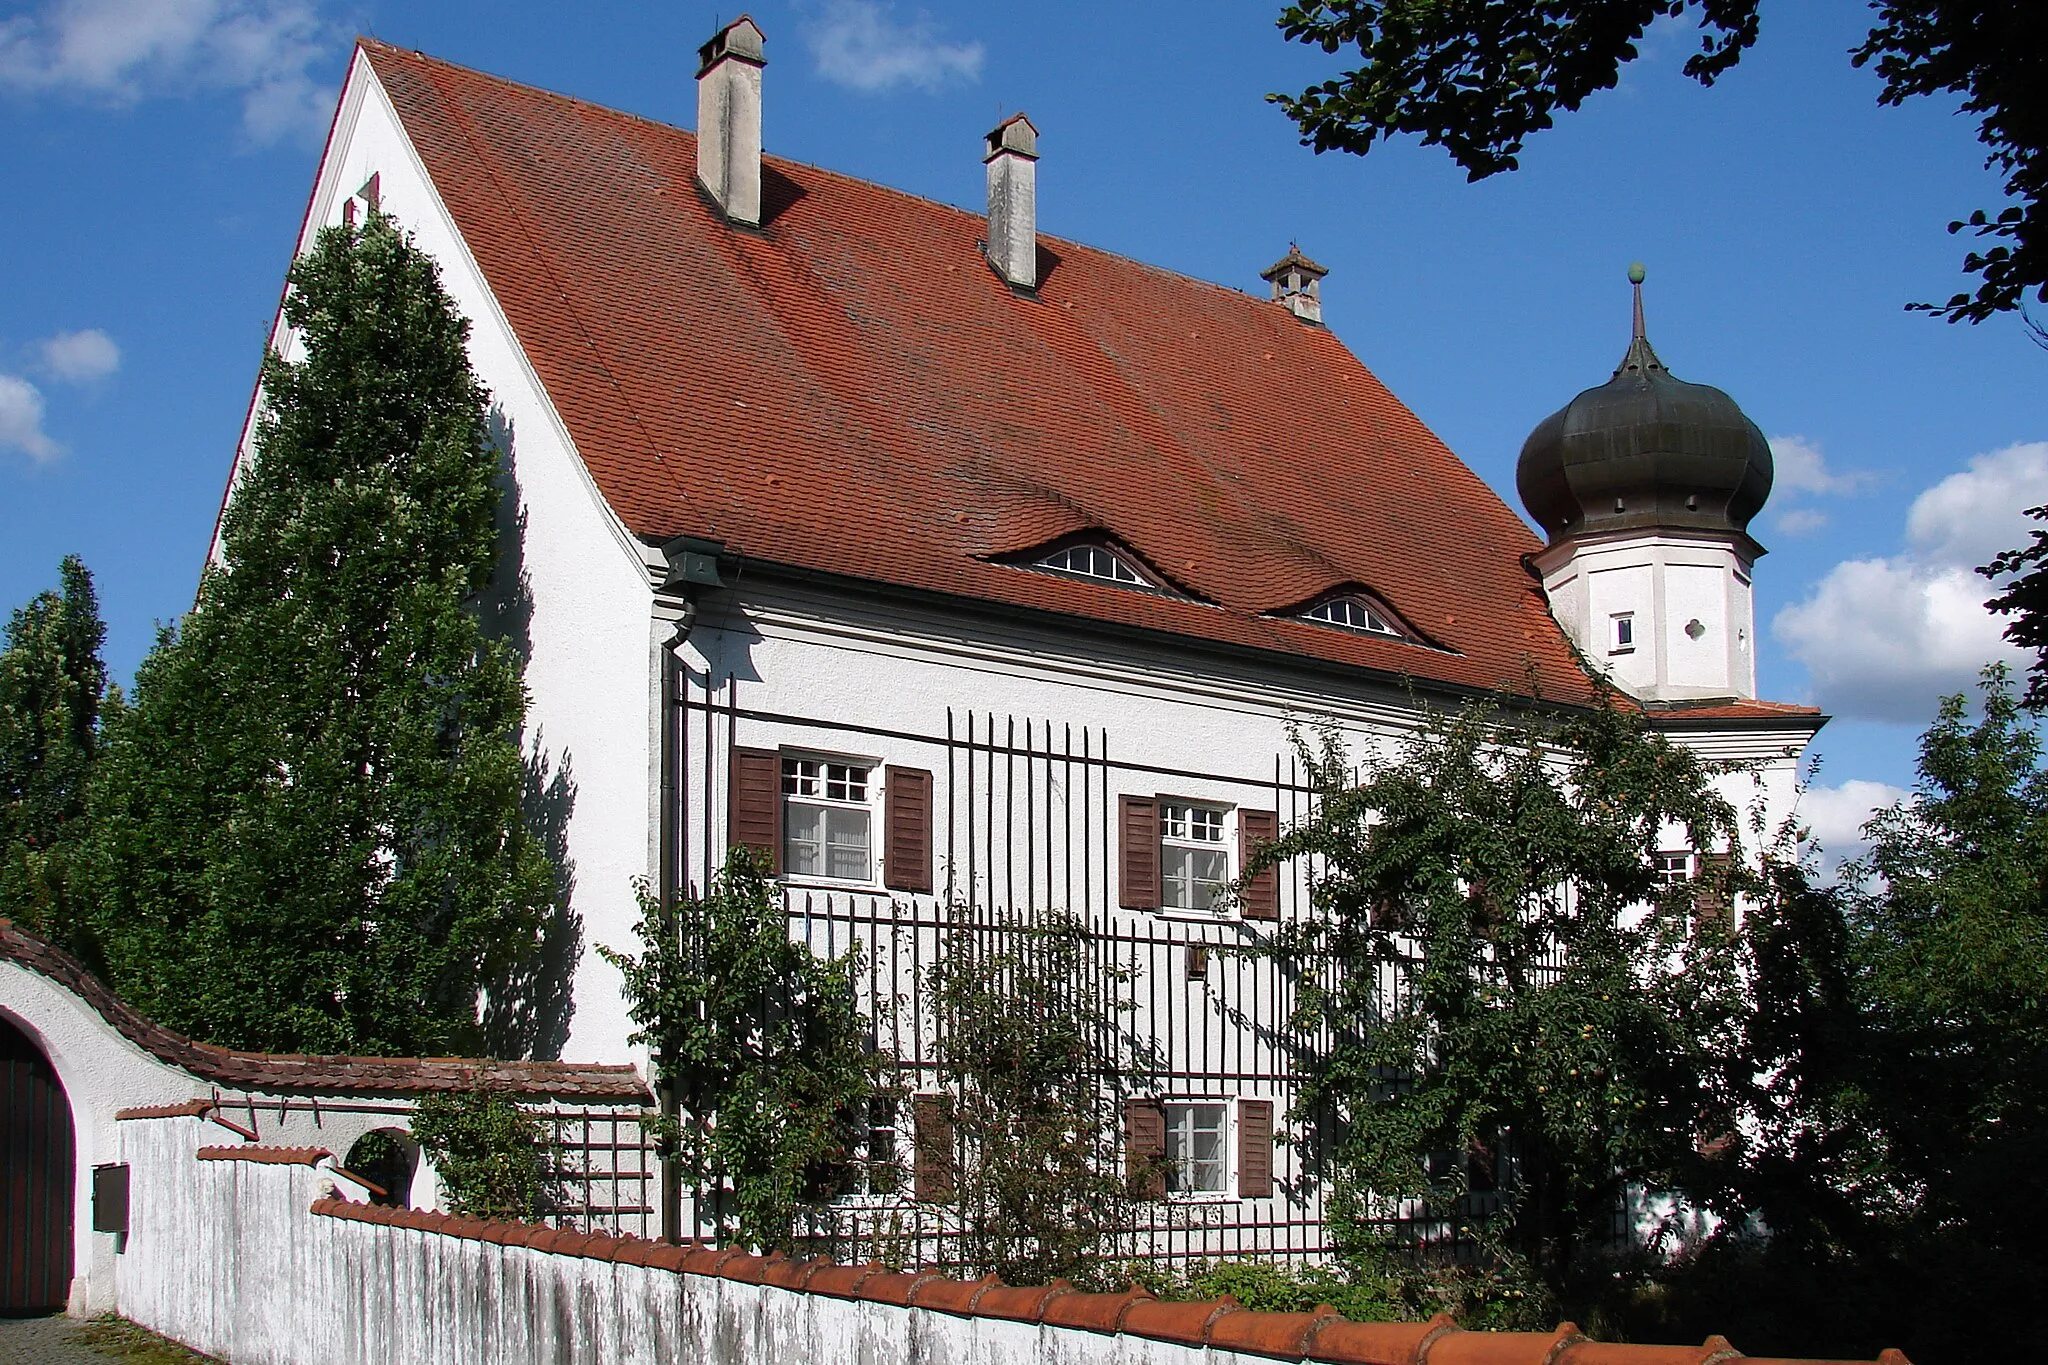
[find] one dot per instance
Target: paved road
(44, 1341)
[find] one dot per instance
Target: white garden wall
(244, 1252)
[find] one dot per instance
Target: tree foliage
(1477, 77)
(761, 1042)
(308, 831)
(491, 1155)
(1517, 1025)
(1035, 1055)
(2025, 599)
(52, 687)
(1891, 1185)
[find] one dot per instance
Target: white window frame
(1131, 577)
(1621, 633)
(870, 803)
(1352, 602)
(868, 1197)
(1226, 1141)
(1668, 873)
(1186, 842)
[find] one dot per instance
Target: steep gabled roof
(852, 391)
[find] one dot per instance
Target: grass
(119, 1339)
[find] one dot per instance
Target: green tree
(491, 1155)
(760, 1042)
(1899, 1042)
(1477, 77)
(52, 687)
(2025, 599)
(1035, 1056)
(1514, 1024)
(308, 830)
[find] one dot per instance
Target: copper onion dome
(1644, 450)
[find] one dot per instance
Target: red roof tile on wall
(272, 1072)
(853, 391)
(1219, 1323)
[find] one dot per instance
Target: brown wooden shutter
(1138, 854)
(1254, 1149)
(1711, 904)
(1260, 896)
(1145, 1148)
(754, 819)
(931, 1178)
(907, 829)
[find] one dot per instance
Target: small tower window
(1624, 633)
(1353, 613)
(1093, 561)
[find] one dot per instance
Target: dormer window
(1354, 613)
(1093, 561)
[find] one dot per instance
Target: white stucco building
(952, 564)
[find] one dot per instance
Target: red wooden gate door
(37, 1162)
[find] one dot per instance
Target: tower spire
(1640, 358)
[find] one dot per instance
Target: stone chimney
(1013, 201)
(1297, 284)
(729, 120)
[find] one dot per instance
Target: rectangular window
(1196, 1161)
(1624, 633)
(826, 819)
(1672, 869)
(1194, 862)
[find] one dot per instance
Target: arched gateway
(38, 1165)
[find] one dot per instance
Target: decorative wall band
(268, 1156)
(190, 1109)
(1222, 1324)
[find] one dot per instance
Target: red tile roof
(852, 391)
(295, 1073)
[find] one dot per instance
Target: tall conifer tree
(308, 830)
(52, 685)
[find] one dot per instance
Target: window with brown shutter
(754, 818)
(1711, 903)
(1138, 852)
(931, 1180)
(1145, 1148)
(907, 830)
(1254, 1149)
(1259, 898)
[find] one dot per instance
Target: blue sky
(157, 155)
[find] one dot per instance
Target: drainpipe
(665, 1095)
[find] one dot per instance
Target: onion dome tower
(1646, 486)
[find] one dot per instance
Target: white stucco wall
(226, 1257)
(589, 670)
(1667, 581)
(102, 1073)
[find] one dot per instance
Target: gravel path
(44, 1341)
(62, 1341)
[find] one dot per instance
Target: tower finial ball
(1636, 272)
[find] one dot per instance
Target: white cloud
(1968, 517)
(21, 420)
(1835, 816)
(861, 44)
(1882, 639)
(122, 51)
(81, 357)
(1800, 467)
(1799, 521)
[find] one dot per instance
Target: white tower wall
(1668, 614)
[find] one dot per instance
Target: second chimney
(1013, 201)
(729, 120)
